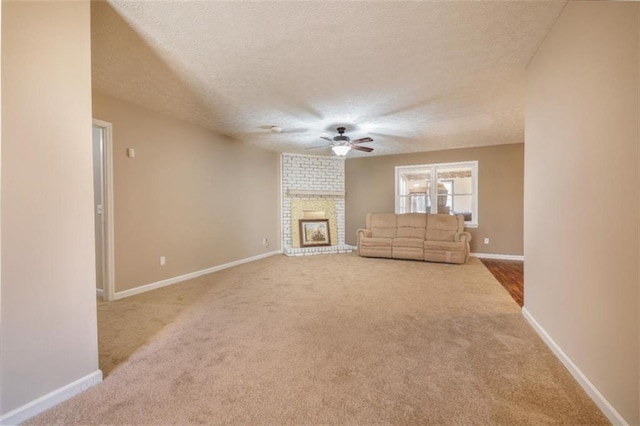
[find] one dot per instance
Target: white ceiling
(415, 76)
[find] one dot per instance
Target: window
(446, 188)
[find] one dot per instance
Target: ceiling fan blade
(362, 140)
(386, 135)
(326, 138)
(319, 146)
(362, 148)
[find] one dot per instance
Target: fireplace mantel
(314, 193)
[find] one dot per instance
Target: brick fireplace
(313, 188)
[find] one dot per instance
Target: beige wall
(48, 310)
(370, 189)
(195, 197)
(581, 195)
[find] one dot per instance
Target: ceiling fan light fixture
(276, 129)
(341, 150)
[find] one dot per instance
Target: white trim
(180, 278)
(315, 156)
(602, 403)
(47, 401)
(294, 192)
(395, 188)
(108, 209)
(99, 292)
(497, 256)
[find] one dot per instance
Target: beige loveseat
(418, 236)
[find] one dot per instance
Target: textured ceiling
(415, 76)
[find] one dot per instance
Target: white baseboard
(47, 401)
(99, 292)
(497, 256)
(180, 278)
(602, 403)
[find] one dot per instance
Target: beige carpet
(333, 339)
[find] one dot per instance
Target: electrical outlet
(265, 242)
(163, 260)
(486, 240)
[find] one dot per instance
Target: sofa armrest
(363, 233)
(464, 237)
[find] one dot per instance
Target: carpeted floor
(328, 339)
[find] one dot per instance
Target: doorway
(103, 207)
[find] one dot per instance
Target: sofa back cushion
(382, 225)
(412, 225)
(443, 227)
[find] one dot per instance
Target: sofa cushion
(409, 253)
(408, 248)
(441, 227)
(444, 245)
(375, 247)
(376, 242)
(445, 251)
(445, 256)
(412, 225)
(408, 242)
(383, 225)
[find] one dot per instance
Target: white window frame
(473, 165)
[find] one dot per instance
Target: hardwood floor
(510, 273)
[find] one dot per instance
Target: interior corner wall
(48, 311)
(370, 188)
(581, 195)
(195, 197)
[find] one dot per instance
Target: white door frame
(107, 209)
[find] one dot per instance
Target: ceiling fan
(342, 144)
